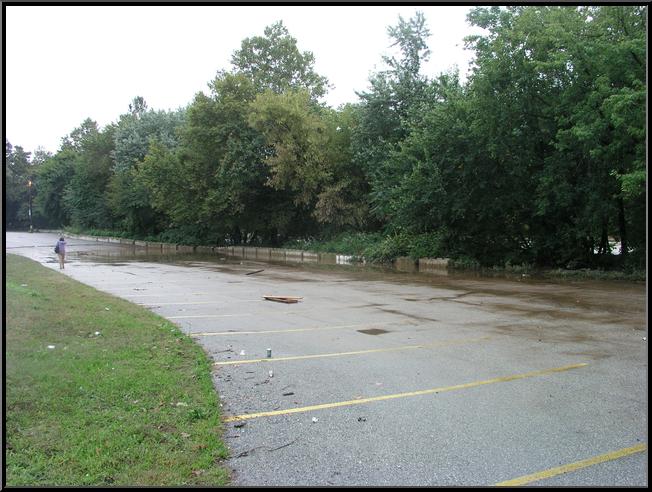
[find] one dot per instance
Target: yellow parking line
(357, 352)
(211, 316)
(291, 330)
(403, 395)
(229, 315)
(573, 466)
(194, 302)
(163, 294)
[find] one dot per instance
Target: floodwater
(607, 301)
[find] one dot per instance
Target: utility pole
(29, 186)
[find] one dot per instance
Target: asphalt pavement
(386, 378)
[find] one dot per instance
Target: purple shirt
(62, 247)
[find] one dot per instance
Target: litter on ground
(285, 299)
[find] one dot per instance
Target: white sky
(67, 63)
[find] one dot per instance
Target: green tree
(391, 106)
(311, 156)
(128, 196)
(52, 178)
(273, 61)
(18, 174)
(85, 197)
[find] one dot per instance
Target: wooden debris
(285, 299)
(257, 271)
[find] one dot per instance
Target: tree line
(537, 158)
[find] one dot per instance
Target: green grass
(134, 405)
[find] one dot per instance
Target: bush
(388, 249)
(427, 245)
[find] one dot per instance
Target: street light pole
(29, 186)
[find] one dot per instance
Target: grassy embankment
(123, 398)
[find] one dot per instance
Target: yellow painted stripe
(194, 302)
(291, 330)
(403, 395)
(230, 315)
(211, 316)
(165, 294)
(357, 352)
(573, 466)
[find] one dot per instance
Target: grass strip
(102, 392)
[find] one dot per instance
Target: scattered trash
(182, 404)
(106, 309)
(645, 339)
(97, 333)
(242, 352)
(269, 353)
(290, 393)
(23, 285)
(50, 346)
(285, 299)
(253, 273)
(315, 419)
(271, 374)
(362, 419)
(185, 435)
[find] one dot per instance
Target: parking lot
(386, 378)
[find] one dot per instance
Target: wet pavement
(387, 378)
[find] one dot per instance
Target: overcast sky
(67, 63)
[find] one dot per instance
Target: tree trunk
(623, 228)
(604, 238)
(273, 237)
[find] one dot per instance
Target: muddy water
(595, 301)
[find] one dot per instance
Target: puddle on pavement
(373, 331)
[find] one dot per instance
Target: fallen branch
(285, 299)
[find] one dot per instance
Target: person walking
(60, 249)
